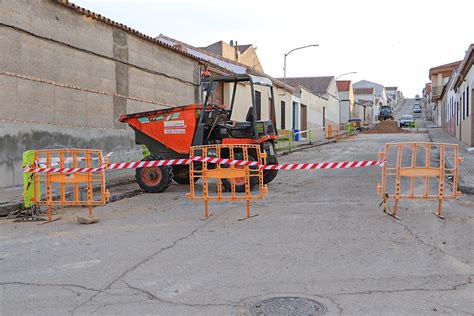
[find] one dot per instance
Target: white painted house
(380, 94)
(366, 98)
(323, 107)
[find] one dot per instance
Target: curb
(466, 189)
(7, 208)
(304, 147)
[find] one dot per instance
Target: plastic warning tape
(118, 165)
(323, 165)
(63, 170)
(148, 163)
(222, 161)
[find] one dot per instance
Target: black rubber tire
(269, 175)
(181, 174)
(240, 188)
(165, 181)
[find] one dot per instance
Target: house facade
(348, 107)
(439, 76)
(325, 98)
(452, 97)
(392, 95)
(464, 89)
(380, 94)
(365, 98)
(244, 54)
(287, 103)
(448, 107)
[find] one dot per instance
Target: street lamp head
(297, 48)
(284, 61)
(347, 73)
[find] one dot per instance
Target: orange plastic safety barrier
(227, 182)
(335, 131)
(329, 131)
(426, 171)
(78, 188)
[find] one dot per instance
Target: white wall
(466, 125)
(243, 101)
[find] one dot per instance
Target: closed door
(295, 116)
(304, 120)
(271, 111)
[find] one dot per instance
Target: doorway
(324, 116)
(304, 120)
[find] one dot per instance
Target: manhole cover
(288, 306)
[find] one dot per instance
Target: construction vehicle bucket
(167, 129)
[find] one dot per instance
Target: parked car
(417, 97)
(417, 109)
(407, 120)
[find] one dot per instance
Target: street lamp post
(347, 73)
(284, 62)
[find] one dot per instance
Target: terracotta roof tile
(343, 85)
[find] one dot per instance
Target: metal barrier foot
(50, 221)
(244, 218)
(393, 215)
(439, 215)
(205, 217)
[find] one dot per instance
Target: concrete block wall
(46, 40)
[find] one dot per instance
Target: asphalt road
(319, 235)
(407, 109)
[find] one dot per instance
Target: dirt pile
(386, 127)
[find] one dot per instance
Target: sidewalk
(466, 168)
(120, 185)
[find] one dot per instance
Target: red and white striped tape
(148, 163)
(223, 161)
(323, 165)
(63, 170)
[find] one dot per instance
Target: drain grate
(288, 306)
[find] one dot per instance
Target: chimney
(236, 51)
(231, 43)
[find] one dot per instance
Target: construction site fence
(78, 187)
(231, 182)
(419, 171)
(289, 139)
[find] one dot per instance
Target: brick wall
(44, 39)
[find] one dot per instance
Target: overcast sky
(394, 43)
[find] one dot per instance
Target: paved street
(319, 234)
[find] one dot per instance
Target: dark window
(467, 101)
(456, 105)
(270, 110)
(283, 115)
(258, 104)
(463, 105)
(324, 116)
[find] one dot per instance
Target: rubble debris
(385, 127)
